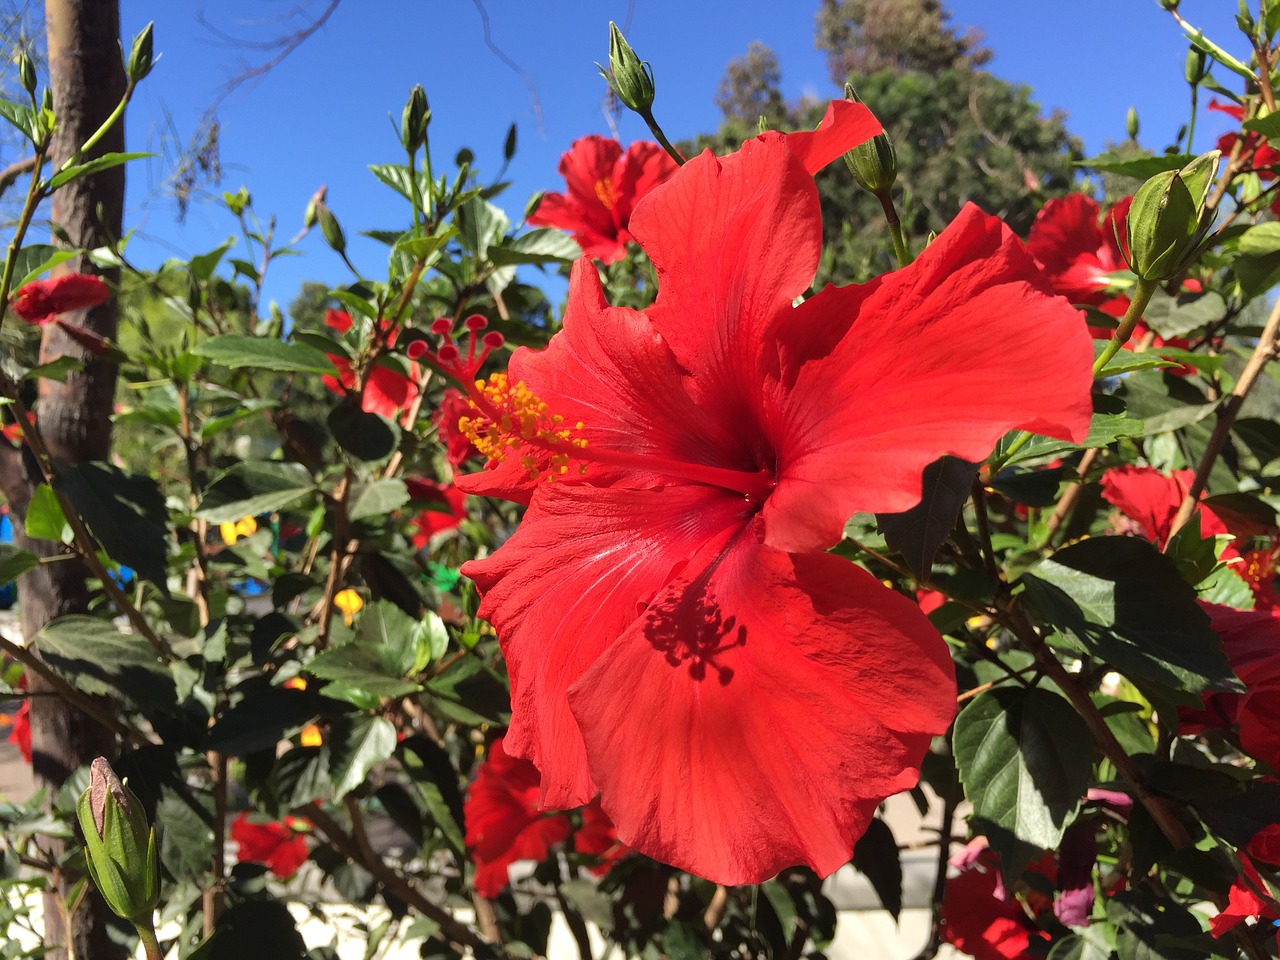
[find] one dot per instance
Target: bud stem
(900, 248)
(1137, 304)
(150, 943)
(648, 118)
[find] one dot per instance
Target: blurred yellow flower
(311, 736)
(231, 532)
(349, 602)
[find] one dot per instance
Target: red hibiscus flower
(1248, 898)
(505, 823)
(40, 301)
(430, 522)
(338, 320)
(457, 445)
(20, 735)
(1151, 499)
(603, 185)
(677, 638)
(1078, 247)
(277, 845)
(386, 391)
(1251, 643)
(1265, 156)
(981, 917)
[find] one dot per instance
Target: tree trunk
(87, 80)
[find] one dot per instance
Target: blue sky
(322, 115)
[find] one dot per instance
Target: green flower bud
(311, 215)
(628, 75)
(1170, 4)
(140, 60)
(1164, 220)
(331, 229)
(414, 120)
(874, 164)
(27, 72)
(1197, 67)
(1131, 126)
(120, 848)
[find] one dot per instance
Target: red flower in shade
(1265, 156)
(386, 391)
(505, 823)
(1251, 643)
(20, 735)
(277, 845)
(40, 301)
(430, 522)
(981, 917)
(457, 445)
(1151, 499)
(603, 185)
(676, 635)
(338, 320)
(1078, 247)
(1265, 844)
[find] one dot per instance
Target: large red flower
(1265, 156)
(677, 638)
(40, 301)
(981, 917)
(430, 522)
(505, 823)
(1151, 499)
(602, 187)
(1078, 246)
(1251, 643)
(277, 845)
(385, 391)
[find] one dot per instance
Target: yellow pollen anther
(511, 420)
(606, 193)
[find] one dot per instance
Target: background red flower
(277, 845)
(40, 301)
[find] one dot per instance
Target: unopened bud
(874, 164)
(27, 72)
(1164, 220)
(509, 145)
(140, 60)
(629, 76)
(311, 215)
(120, 848)
(414, 120)
(1131, 126)
(1169, 4)
(331, 229)
(1197, 67)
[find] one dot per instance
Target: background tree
(865, 36)
(750, 88)
(88, 81)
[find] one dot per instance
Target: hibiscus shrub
(636, 612)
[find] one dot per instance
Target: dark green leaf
(253, 488)
(876, 856)
(1121, 600)
(919, 532)
(125, 512)
(36, 259)
(14, 562)
(100, 660)
(204, 264)
(544, 245)
(257, 930)
(357, 745)
(1148, 927)
(1179, 316)
(1025, 758)
(96, 165)
(1089, 945)
(237, 351)
(21, 116)
(366, 436)
(58, 369)
(370, 667)
(186, 840)
(378, 499)
(262, 715)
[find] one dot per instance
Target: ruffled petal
(759, 711)
(845, 125)
(573, 577)
(943, 356)
(595, 233)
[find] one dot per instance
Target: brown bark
(87, 80)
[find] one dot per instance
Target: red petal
(596, 234)
(1151, 499)
(1075, 251)
(845, 125)
(734, 240)
(576, 573)
(760, 710)
(387, 392)
(943, 356)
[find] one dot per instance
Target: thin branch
(10, 174)
(515, 67)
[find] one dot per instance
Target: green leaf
(1150, 927)
(480, 225)
(358, 744)
(45, 519)
(1088, 945)
(186, 840)
(1261, 239)
(100, 660)
(126, 513)
(1025, 758)
(253, 488)
(919, 532)
(37, 259)
(236, 351)
(544, 245)
(21, 116)
(1268, 126)
(1188, 312)
(58, 369)
(261, 715)
(1140, 168)
(15, 562)
(1121, 600)
(366, 436)
(396, 176)
(373, 668)
(96, 165)
(876, 856)
(379, 498)
(248, 408)
(430, 641)
(1226, 587)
